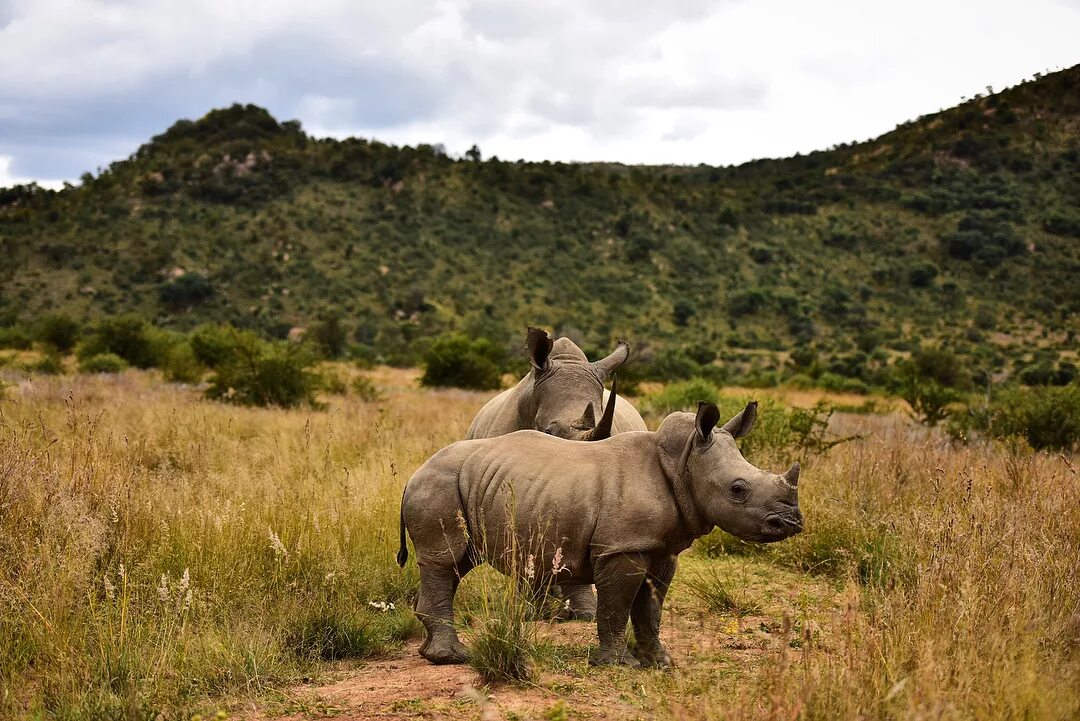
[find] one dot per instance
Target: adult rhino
(561, 396)
(615, 513)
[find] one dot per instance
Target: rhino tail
(403, 548)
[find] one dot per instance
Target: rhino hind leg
(646, 612)
(435, 609)
(618, 579)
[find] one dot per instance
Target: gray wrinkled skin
(618, 512)
(563, 395)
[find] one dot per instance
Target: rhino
(616, 513)
(561, 396)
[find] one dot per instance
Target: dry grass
(162, 553)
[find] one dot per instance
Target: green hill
(960, 228)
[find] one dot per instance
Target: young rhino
(615, 513)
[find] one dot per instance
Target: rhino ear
(743, 422)
(708, 415)
(538, 345)
(607, 366)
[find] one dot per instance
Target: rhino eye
(739, 490)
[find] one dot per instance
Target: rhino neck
(674, 462)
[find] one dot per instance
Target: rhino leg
(435, 609)
(646, 611)
(581, 600)
(618, 578)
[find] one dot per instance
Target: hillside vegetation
(959, 229)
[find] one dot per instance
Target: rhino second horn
(588, 418)
(603, 428)
(791, 475)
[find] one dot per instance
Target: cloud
(86, 82)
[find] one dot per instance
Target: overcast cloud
(84, 83)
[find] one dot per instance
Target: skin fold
(615, 513)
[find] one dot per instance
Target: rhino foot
(613, 658)
(444, 651)
(654, 658)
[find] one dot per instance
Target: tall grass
(160, 553)
(158, 550)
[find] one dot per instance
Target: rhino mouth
(778, 526)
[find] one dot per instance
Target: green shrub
(455, 360)
(102, 363)
(1047, 417)
(681, 396)
(365, 389)
(216, 345)
(16, 337)
(262, 373)
(181, 365)
(330, 336)
(128, 337)
(51, 364)
(57, 331)
(187, 290)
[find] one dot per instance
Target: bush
(922, 274)
(455, 360)
(330, 336)
(15, 337)
(57, 331)
(259, 373)
(682, 396)
(1047, 417)
(102, 363)
(187, 290)
(128, 337)
(216, 345)
(364, 389)
(51, 364)
(181, 365)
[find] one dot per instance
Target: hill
(961, 228)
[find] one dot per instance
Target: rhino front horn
(791, 475)
(603, 428)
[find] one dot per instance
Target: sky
(84, 83)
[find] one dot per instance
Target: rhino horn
(791, 475)
(607, 366)
(603, 428)
(588, 418)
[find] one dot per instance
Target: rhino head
(727, 490)
(565, 397)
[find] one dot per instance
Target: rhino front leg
(618, 578)
(646, 611)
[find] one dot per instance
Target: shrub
(51, 364)
(1047, 417)
(102, 363)
(922, 274)
(455, 360)
(57, 331)
(682, 396)
(128, 337)
(364, 389)
(330, 336)
(187, 290)
(15, 337)
(181, 365)
(216, 345)
(262, 373)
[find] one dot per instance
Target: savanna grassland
(165, 554)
